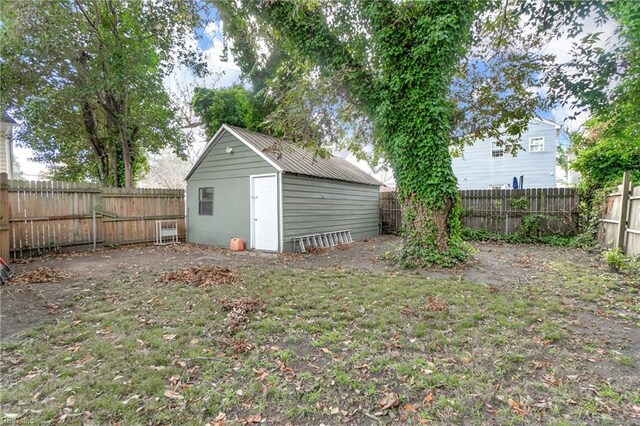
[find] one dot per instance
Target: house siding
(315, 205)
(3, 155)
(229, 175)
(476, 169)
(5, 150)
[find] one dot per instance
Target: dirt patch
(495, 263)
(522, 334)
(201, 276)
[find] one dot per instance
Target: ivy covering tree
(402, 75)
(86, 78)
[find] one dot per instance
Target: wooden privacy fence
(620, 224)
(37, 216)
(502, 211)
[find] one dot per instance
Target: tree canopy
(233, 105)
(610, 144)
(410, 79)
(86, 78)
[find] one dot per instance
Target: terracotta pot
(237, 244)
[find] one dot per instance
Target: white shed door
(265, 213)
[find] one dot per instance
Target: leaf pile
(316, 250)
(40, 275)
(201, 276)
(236, 345)
(238, 311)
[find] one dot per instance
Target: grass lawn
(329, 346)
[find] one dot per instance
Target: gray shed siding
(476, 169)
(229, 175)
(314, 205)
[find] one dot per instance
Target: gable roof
(6, 118)
(291, 158)
(549, 122)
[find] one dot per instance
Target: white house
(485, 165)
(6, 144)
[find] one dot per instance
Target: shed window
(496, 151)
(205, 201)
(536, 144)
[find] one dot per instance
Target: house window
(496, 151)
(536, 144)
(205, 201)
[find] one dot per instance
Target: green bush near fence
(469, 234)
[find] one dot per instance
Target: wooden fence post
(4, 216)
(624, 210)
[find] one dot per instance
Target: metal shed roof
(290, 158)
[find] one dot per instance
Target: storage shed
(269, 192)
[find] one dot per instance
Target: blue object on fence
(515, 183)
(521, 182)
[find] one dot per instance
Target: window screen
(536, 144)
(205, 201)
(496, 151)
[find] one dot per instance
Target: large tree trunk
(428, 191)
(126, 158)
(416, 126)
(98, 146)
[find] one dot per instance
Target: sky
(208, 40)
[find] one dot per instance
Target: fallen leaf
(388, 400)
(219, 420)
(169, 336)
(81, 362)
(261, 373)
(13, 360)
(409, 407)
(172, 394)
(551, 379)
(428, 398)
(71, 401)
(256, 418)
(516, 406)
